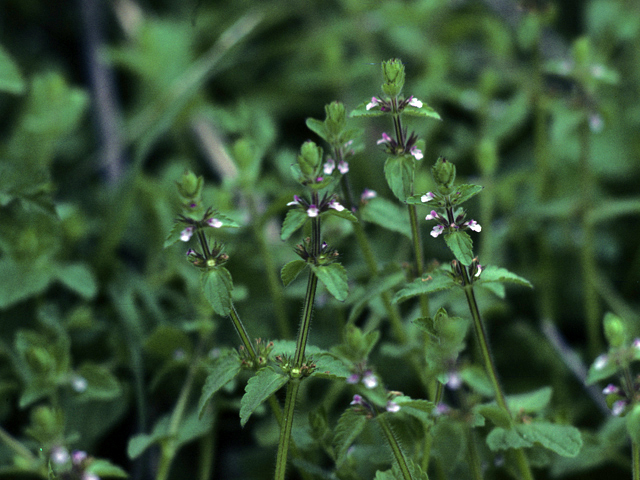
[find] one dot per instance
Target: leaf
(101, 383)
(216, 286)
(530, 402)
(376, 286)
(346, 214)
(291, 270)
(425, 112)
(330, 367)
(439, 281)
(361, 111)
(350, 425)
(565, 440)
(388, 215)
(174, 234)
(317, 127)
(399, 173)
(334, 277)
(105, 469)
(464, 192)
(260, 387)
(294, 219)
(496, 414)
(502, 275)
(223, 370)
(601, 368)
(11, 80)
(78, 278)
(459, 242)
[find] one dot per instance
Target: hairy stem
(395, 447)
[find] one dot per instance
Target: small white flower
(370, 380)
(414, 102)
(343, 167)
(385, 138)
(329, 166)
(596, 124)
(610, 389)
(59, 455)
(618, 407)
(454, 381)
(186, 234)
(335, 205)
(373, 103)
(392, 407)
(79, 384)
(296, 201)
(416, 152)
(78, 456)
(480, 269)
(601, 362)
(368, 194)
(313, 211)
(427, 197)
(473, 225)
(214, 222)
(433, 215)
(437, 230)
(90, 476)
(636, 344)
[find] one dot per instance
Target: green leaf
(101, 383)
(531, 401)
(459, 242)
(293, 221)
(346, 214)
(20, 281)
(223, 370)
(11, 80)
(216, 286)
(565, 440)
(361, 111)
(422, 410)
(260, 387)
(496, 414)
(601, 368)
(425, 112)
(330, 367)
(334, 277)
(174, 234)
(399, 173)
(463, 193)
(388, 215)
(502, 275)
(78, 278)
(291, 270)
(318, 127)
(105, 469)
(376, 286)
(350, 425)
(436, 282)
(357, 344)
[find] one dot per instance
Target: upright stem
(395, 447)
(242, 332)
(635, 460)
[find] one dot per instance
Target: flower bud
(336, 117)
(190, 185)
(444, 174)
(310, 159)
(615, 330)
(393, 72)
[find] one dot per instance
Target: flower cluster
(451, 222)
(621, 398)
(365, 408)
(388, 105)
(325, 256)
(76, 464)
(312, 210)
(368, 379)
(393, 147)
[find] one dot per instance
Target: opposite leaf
(399, 173)
(216, 286)
(565, 440)
(334, 277)
(260, 387)
(293, 221)
(291, 270)
(223, 370)
(350, 425)
(460, 244)
(502, 275)
(438, 282)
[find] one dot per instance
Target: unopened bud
(615, 330)
(393, 72)
(444, 174)
(310, 159)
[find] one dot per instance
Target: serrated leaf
(463, 193)
(294, 219)
(216, 286)
(346, 214)
(505, 438)
(565, 440)
(399, 173)
(425, 112)
(496, 414)
(226, 221)
(439, 281)
(291, 270)
(174, 234)
(317, 127)
(460, 243)
(531, 401)
(350, 425)
(223, 370)
(361, 111)
(388, 215)
(330, 367)
(502, 275)
(334, 278)
(260, 387)
(11, 80)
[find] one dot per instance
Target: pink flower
(427, 197)
(357, 400)
(368, 194)
(433, 215)
(313, 211)
(335, 205)
(186, 234)
(214, 222)
(392, 407)
(369, 380)
(343, 167)
(414, 102)
(618, 407)
(416, 152)
(385, 138)
(329, 166)
(437, 230)
(610, 389)
(373, 103)
(473, 225)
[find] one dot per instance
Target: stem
(635, 460)
(16, 446)
(242, 332)
(395, 447)
(474, 458)
(285, 431)
(417, 249)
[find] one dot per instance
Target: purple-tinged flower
(596, 123)
(296, 201)
(59, 455)
(329, 166)
(357, 400)
(618, 407)
(392, 407)
(78, 456)
(479, 270)
(335, 205)
(454, 382)
(433, 215)
(427, 197)
(414, 102)
(369, 380)
(214, 222)
(385, 139)
(610, 389)
(353, 379)
(416, 152)
(437, 230)
(368, 194)
(636, 343)
(313, 211)
(343, 167)
(90, 476)
(373, 103)
(600, 362)
(441, 409)
(186, 234)
(473, 225)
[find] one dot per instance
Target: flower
(636, 344)
(357, 400)
(296, 201)
(437, 230)
(479, 269)
(313, 211)
(78, 456)
(610, 389)
(214, 222)
(618, 407)
(90, 476)
(369, 380)
(186, 234)
(385, 139)
(343, 167)
(353, 379)
(59, 455)
(433, 215)
(416, 152)
(414, 102)
(335, 205)
(78, 383)
(329, 166)
(392, 407)
(427, 197)
(373, 103)
(368, 194)
(600, 362)
(472, 225)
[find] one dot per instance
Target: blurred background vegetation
(105, 103)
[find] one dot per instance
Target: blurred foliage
(107, 103)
